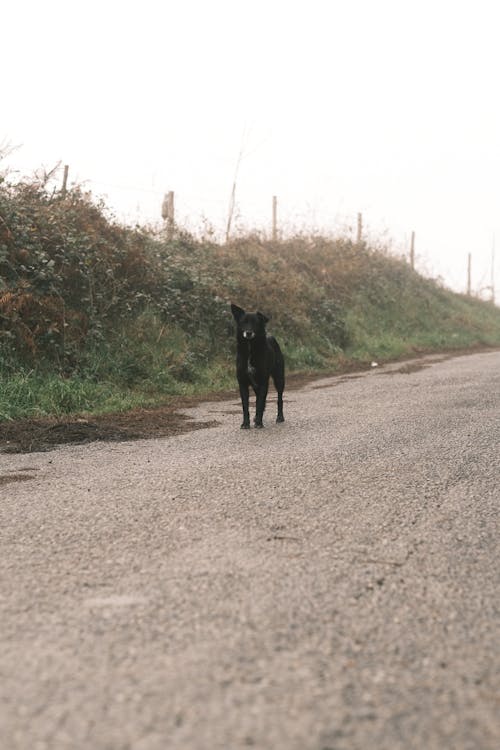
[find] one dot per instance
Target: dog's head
(250, 325)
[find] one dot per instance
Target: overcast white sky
(388, 107)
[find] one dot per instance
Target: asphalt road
(332, 583)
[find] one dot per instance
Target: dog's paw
(280, 419)
(245, 426)
(259, 424)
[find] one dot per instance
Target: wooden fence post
(412, 251)
(359, 238)
(167, 212)
(275, 219)
(65, 181)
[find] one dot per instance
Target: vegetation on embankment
(95, 316)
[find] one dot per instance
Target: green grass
(33, 395)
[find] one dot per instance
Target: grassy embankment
(98, 317)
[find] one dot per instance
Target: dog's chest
(252, 373)
(251, 370)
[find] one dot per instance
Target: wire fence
(219, 219)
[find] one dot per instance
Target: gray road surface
(327, 584)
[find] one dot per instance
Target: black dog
(258, 357)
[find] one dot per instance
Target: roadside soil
(44, 433)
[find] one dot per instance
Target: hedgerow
(83, 296)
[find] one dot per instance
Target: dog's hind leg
(245, 425)
(279, 384)
(280, 417)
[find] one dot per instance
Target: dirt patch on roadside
(14, 478)
(411, 367)
(27, 435)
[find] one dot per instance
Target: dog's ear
(238, 312)
(263, 318)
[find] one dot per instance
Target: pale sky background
(388, 107)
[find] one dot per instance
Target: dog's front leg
(245, 425)
(260, 405)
